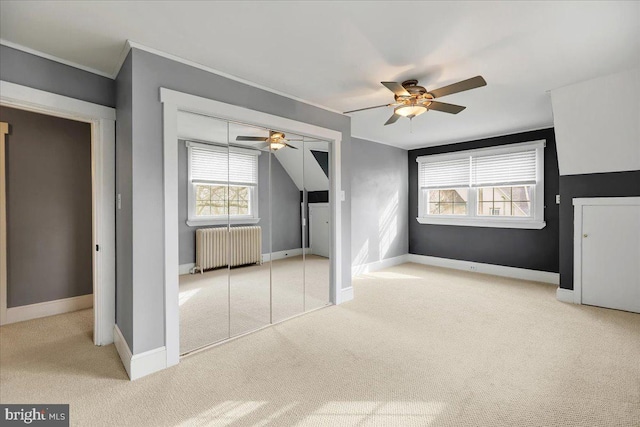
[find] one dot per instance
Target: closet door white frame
(172, 102)
(578, 205)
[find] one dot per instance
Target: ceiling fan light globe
(410, 110)
(276, 145)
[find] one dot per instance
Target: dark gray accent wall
(150, 73)
(34, 71)
(49, 225)
(530, 249)
(379, 228)
(317, 197)
(612, 184)
(124, 214)
(286, 203)
(322, 157)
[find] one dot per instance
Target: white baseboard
(48, 308)
(284, 254)
(346, 294)
(123, 349)
(356, 270)
(142, 364)
(565, 295)
(478, 267)
(185, 268)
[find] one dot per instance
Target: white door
(319, 231)
(611, 256)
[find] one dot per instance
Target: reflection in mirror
(249, 185)
(203, 221)
(318, 231)
(254, 228)
(287, 216)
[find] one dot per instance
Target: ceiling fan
(412, 100)
(275, 141)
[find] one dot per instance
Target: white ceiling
(336, 53)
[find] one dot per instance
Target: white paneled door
(611, 256)
(320, 231)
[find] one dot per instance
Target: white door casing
(607, 250)
(4, 129)
(172, 102)
(102, 120)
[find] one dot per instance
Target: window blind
(243, 168)
(504, 169)
(216, 165)
(444, 174)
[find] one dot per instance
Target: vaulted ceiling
(335, 54)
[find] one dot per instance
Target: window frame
(472, 219)
(195, 221)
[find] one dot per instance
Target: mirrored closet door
(287, 222)
(203, 171)
(254, 228)
(318, 230)
(250, 237)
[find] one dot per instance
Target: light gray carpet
(419, 346)
(223, 303)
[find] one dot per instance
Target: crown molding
(489, 136)
(54, 58)
(130, 44)
(123, 56)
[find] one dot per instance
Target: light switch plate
(557, 199)
(342, 196)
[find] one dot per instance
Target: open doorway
(48, 195)
(57, 228)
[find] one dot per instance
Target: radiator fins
(215, 246)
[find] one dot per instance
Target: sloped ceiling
(335, 53)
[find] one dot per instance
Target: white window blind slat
(209, 165)
(214, 165)
(504, 169)
(444, 174)
(243, 168)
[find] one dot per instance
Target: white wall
(597, 124)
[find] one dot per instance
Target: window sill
(485, 222)
(232, 221)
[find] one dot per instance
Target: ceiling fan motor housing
(416, 92)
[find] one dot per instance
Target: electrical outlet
(473, 268)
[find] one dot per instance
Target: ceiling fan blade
(445, 108)
(394, 118)
(468, 84)
(251, 138)
(290, 146)
(368, 108)
(396, 88)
